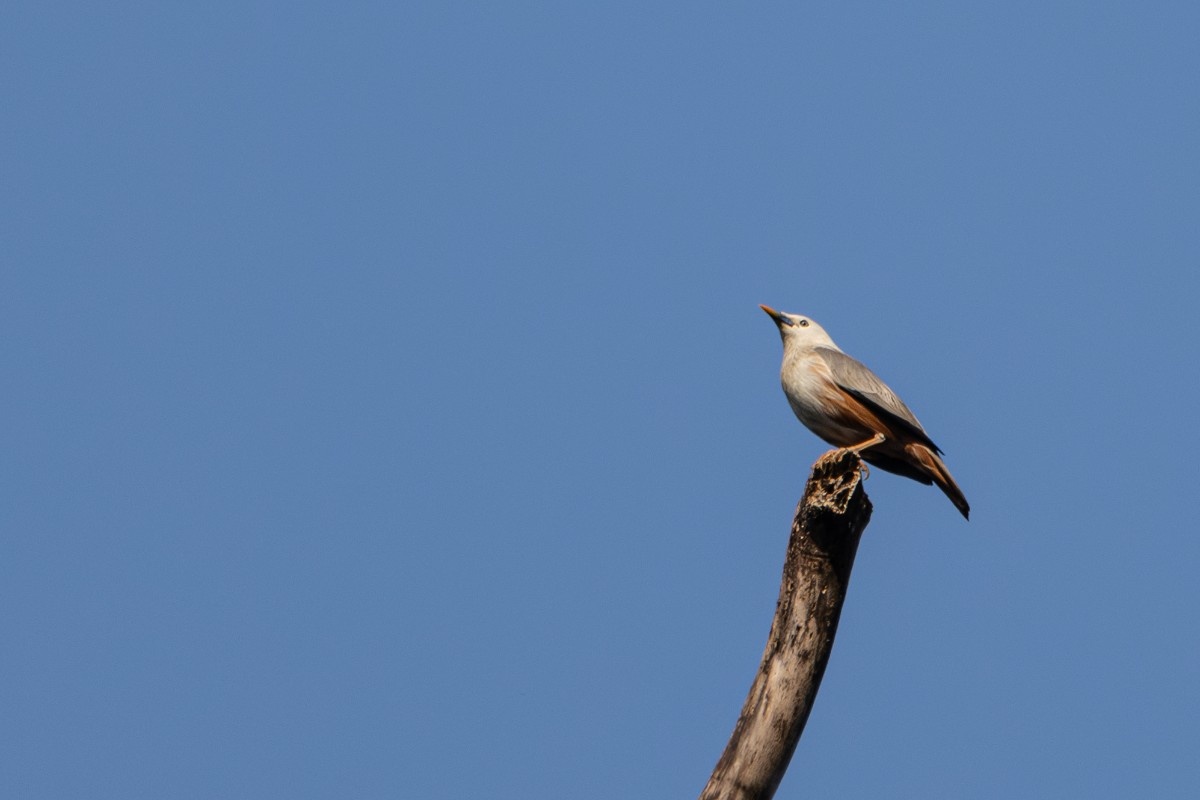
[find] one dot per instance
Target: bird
(846, 404)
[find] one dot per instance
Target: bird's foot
(862, 465)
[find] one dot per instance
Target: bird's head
(798, 330)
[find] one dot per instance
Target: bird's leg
(858, 448)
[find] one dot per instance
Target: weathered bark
(825, 532)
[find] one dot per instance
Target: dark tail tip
(956, 496)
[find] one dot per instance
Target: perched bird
(844, 403)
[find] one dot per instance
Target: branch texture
(826, 530)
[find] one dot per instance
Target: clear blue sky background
(387, 411)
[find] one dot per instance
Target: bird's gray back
(855, 376)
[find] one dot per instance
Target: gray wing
(856, 379)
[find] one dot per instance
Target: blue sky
(387, 410)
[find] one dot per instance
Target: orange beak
(773, 314)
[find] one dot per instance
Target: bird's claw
(862, 464)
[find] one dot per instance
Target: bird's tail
(941, 476)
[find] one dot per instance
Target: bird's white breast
(813, 396)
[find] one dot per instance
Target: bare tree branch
(829, 522)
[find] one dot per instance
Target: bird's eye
(803, 323)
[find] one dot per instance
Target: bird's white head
(797, 330)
